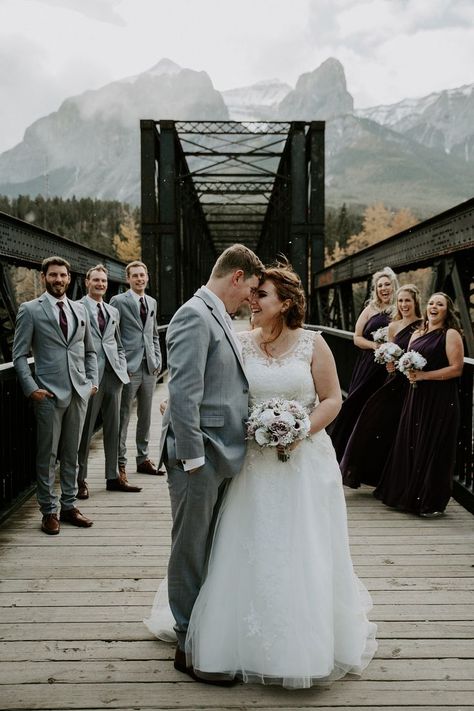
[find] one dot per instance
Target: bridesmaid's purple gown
(374, 432)
(418, 474)
(367, 377)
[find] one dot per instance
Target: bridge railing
(345, 354)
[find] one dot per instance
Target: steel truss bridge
(206, 185)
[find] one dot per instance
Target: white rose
(262, 437)
(288, 418)
(267, 417)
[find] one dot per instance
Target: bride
(281, 603)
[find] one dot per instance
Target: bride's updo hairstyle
(288, 287)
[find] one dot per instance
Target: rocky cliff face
(257, 102)
(91, 145)
(417, 153)
(442, 120)
(319, 95)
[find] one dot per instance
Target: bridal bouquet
(380, 335)
(388, 353)
(411, 360)
(278, 422)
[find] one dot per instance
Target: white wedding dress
(280, 603)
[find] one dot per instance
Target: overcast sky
(390, 49)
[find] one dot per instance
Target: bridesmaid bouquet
(278, 422)
(411, 360)
(380, 335)
(388, 353)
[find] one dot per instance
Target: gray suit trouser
(106, 401)
(195, 501)
(142, 386)
(58, 432)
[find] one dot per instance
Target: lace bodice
(288, 376)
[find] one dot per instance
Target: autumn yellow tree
(378, 224)
(127, 242)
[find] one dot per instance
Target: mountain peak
(321, 94)
(164, 66)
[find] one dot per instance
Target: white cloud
(102, 10)
(390, 49)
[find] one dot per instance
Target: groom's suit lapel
(201, 294)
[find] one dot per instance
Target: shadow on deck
(71, 635)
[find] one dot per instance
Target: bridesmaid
(418, 475)
(372, 437)
(367, 375)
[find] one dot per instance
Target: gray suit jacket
(108, 345)
(60, 366)
(139, 341)
(208, 389)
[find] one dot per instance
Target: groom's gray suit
(68, 370)
(205, 418)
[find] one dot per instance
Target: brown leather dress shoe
(181, 665)
(75, 517)
(82, 489)
(121, 484)
(50, 524)
(148, 467)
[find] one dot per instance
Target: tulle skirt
(281, 603)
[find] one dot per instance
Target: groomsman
(104, 320)
(57, 332)
(139, 332)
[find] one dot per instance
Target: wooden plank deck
(71, 607)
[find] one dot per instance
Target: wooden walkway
(71, 635)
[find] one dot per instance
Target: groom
(203, 437)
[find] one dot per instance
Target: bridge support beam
(149, 206)
(316, 207)
(169, 286)
(298, 244)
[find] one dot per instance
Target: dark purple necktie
(62, 318)
(100, 318)
(142, 310)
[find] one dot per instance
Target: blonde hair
(374, 300)
(134, 264)
(97, 268)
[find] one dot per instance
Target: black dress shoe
(121, 484)
(181, 665)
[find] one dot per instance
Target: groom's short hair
(238, 256)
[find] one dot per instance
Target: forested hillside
(108, 226)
